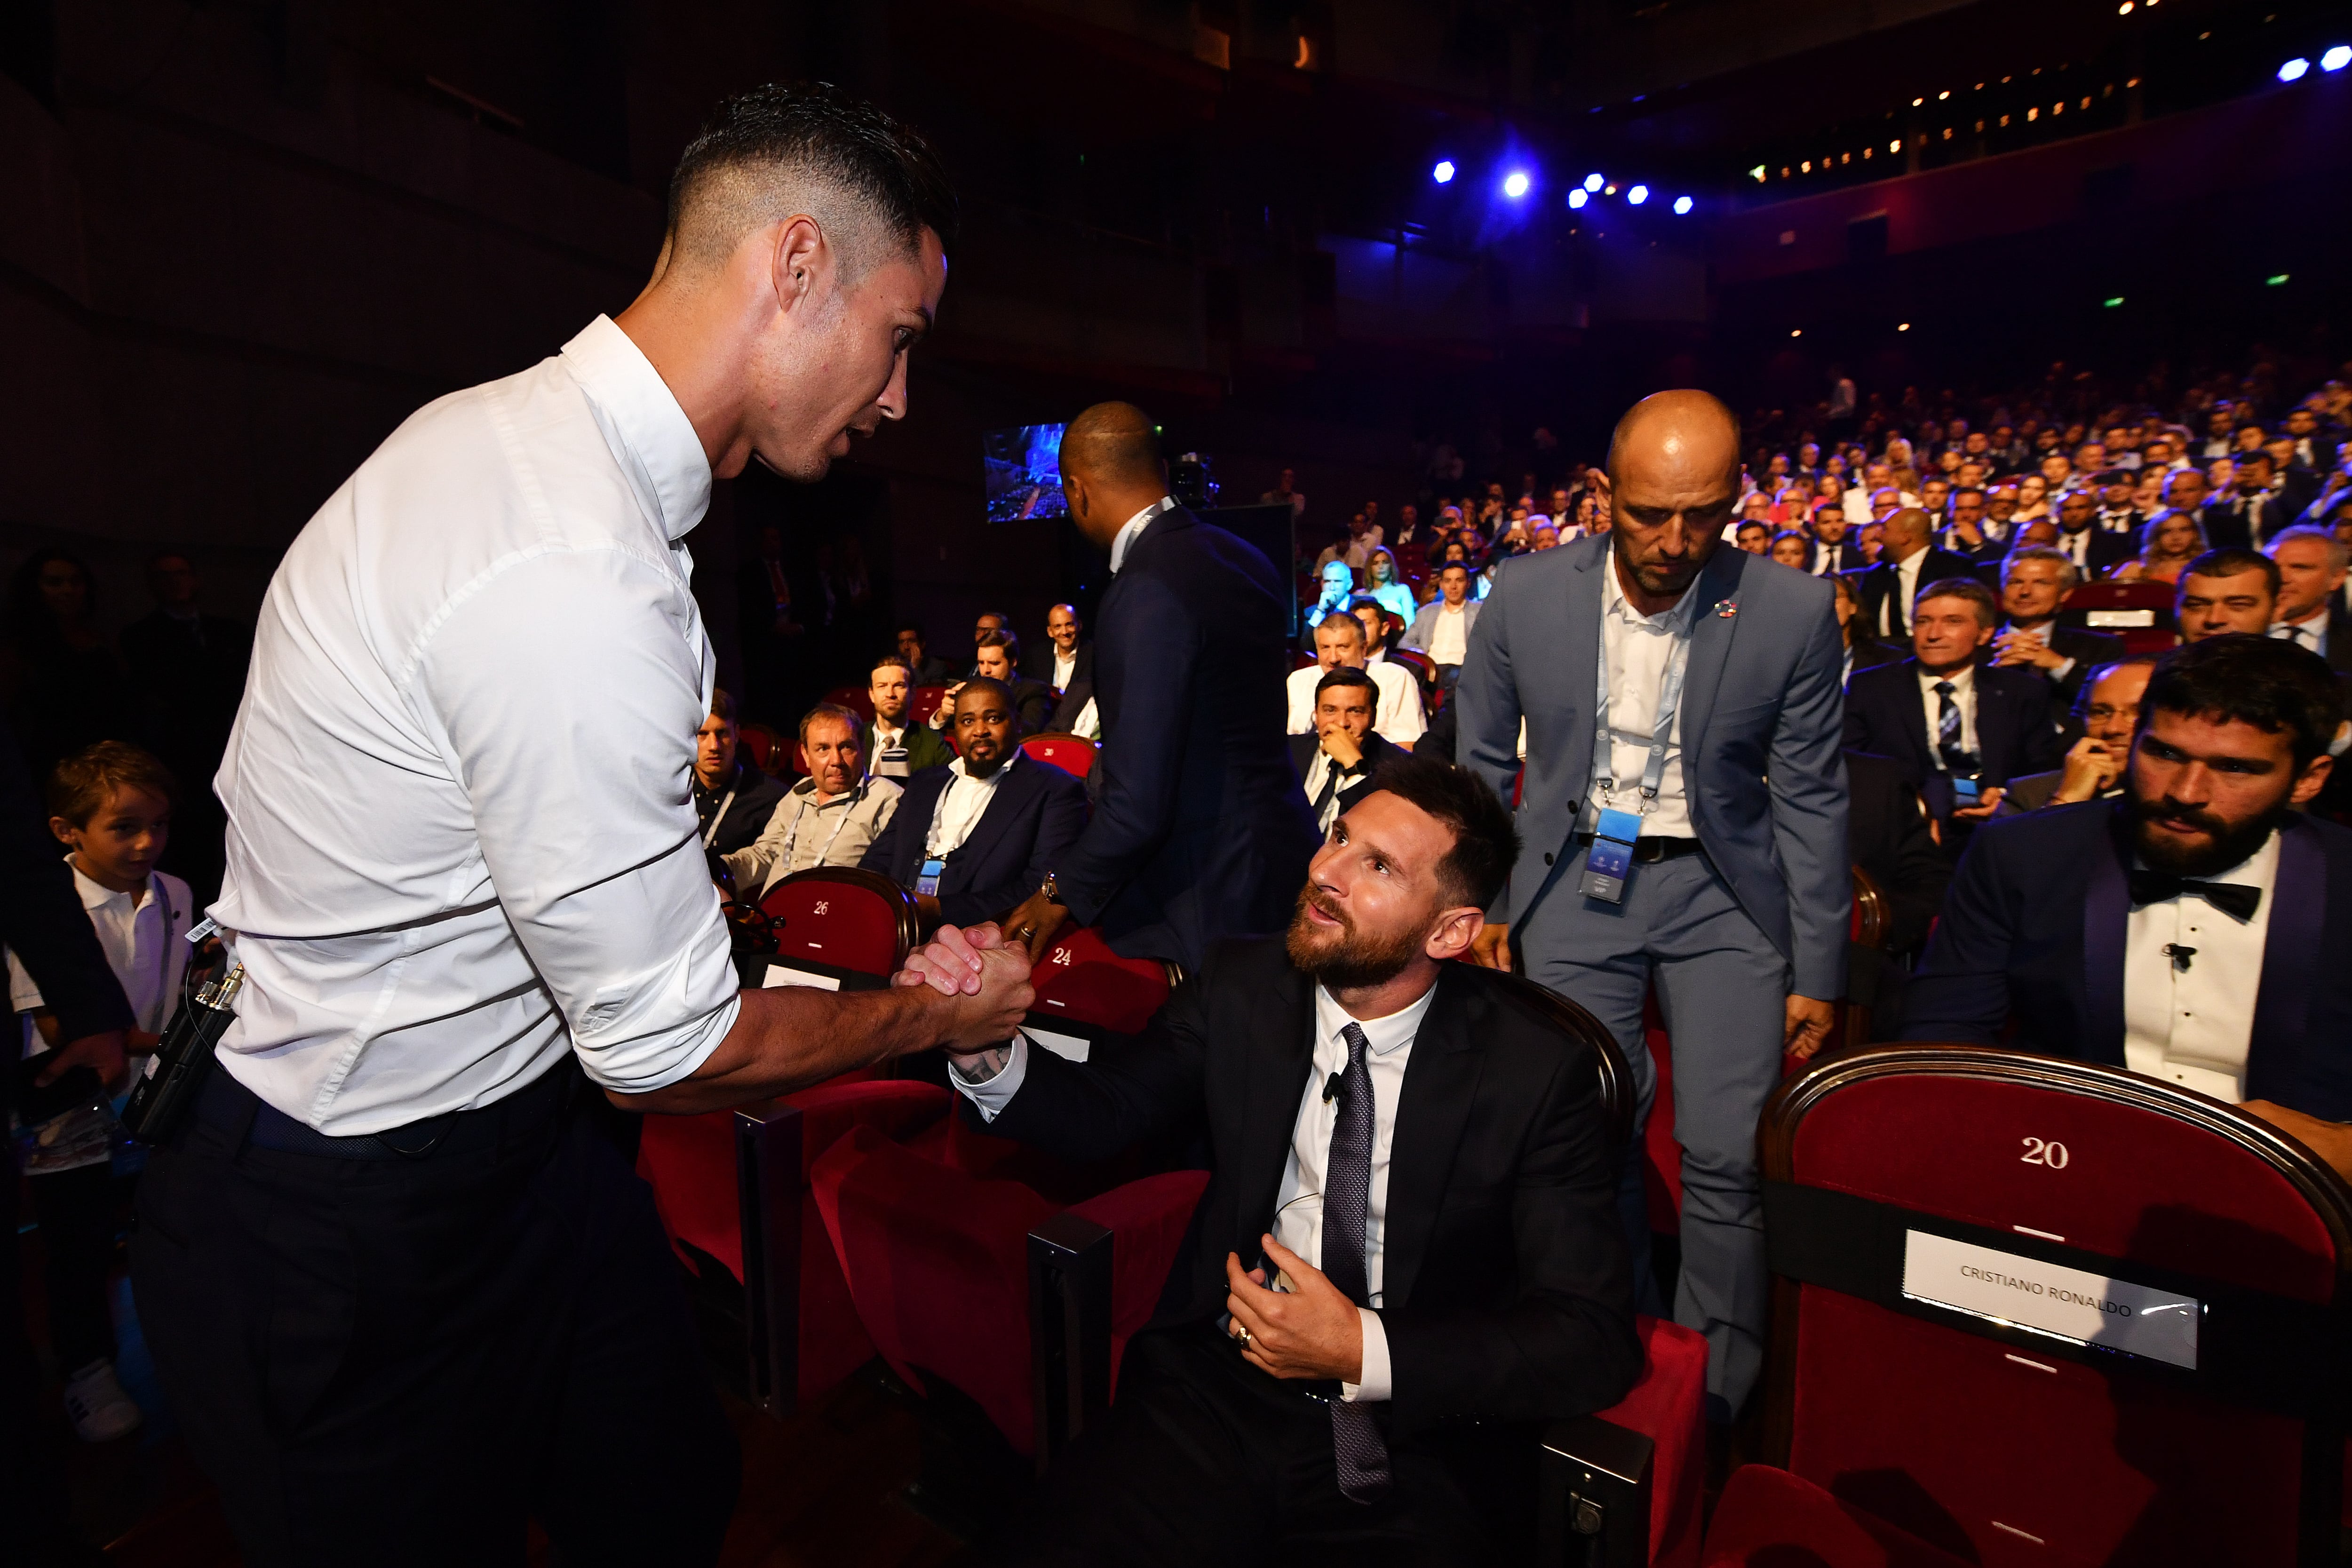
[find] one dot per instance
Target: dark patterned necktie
(1356, 1441)
(1948, 730)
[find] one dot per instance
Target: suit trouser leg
(1723, 989)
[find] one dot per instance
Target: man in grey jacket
(1442, 627)
(1702, 852)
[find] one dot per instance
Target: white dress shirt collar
(1133, 530)
(650, 434)
(1964, 696)
(1381, 1036)
(2194, 1027)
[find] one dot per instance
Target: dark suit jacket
(755, 798)
(1886, 834)
(2242, 521)
(2106, 551)
(2088, 649)
(1869, 653)
(1035, 816)
(1850, 556)
(1505, 1290)
(1378, 748)
(2017, 729)
(1872, 587)
(933, 672)
(2033, 927)
(1200, 830)
(1078, 692)
(1032, 703)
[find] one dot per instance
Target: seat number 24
(2044, 1151)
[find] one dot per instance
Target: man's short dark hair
(723, 706)
(2230, 562)
(780, 137)
(2100, 672)
(990, 684)
(1009, 641)
(1988, 608)
(1485, 840)
(1343, 618)
(891, 661)
(914, 627)
(1347, 675)
(848, 716)
(2267, 682)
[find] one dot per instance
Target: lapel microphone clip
(2178, 955)
(1336, 1086)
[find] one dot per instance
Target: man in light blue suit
(1707, 862)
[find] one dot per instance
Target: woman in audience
(1789, 549)
(1387, 583)
(2168, 543)
(2033, 498)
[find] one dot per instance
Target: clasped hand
(979, 965)
(1312, 1330)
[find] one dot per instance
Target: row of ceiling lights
(1519, 181)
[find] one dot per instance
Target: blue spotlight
(1682, 206)
(1578, 197)
(1638, 194)
(1593, 182)
(2293, 70)
(1443, 173)
(1515, 184)
(2336, 59)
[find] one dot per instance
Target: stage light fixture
(1796, 331)
(1682, 206)
(1757, 174)
(1638, 194)
(2112, 301)
(1515, 184)
(1895, 146)
(2124, 9)
(1443, 173)
(1578, 197)
(1593, 182)
(2336, 59)
(2294, 69)
(1902, 326)
(2276, 280)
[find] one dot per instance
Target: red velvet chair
(763, 746)
(1085, 991)
(731, 1190)
(1956, 1233)
(924, 702)
(856, 699)
(839, 928)
(1074, 754)
(1413, 659)
(1770, 1518)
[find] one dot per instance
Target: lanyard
(718, 816)
(849, 799)
(932, 849)
(1670, 697)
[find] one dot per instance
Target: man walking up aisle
(1683, 817)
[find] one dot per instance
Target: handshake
(984, 978)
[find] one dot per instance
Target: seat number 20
(2043, 1152)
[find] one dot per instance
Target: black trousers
(396, 1361)
(1207, 1460)
(76, 1209)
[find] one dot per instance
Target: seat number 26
(2044, 1151)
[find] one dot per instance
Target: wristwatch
(1052, 889)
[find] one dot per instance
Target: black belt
(1647, 850)
(236, 1111)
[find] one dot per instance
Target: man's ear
(2313, 778)
(1601, 491)
(799, 254)
(1454, 931)
(64, 832)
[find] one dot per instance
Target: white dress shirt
(2192, 1026)
(960, 805)
(1398, 716)
(1895, 610)
(1448, 643)
(1299, 1201)
(1066, 667)
(886, 738)
(1639, 648)
(2077, 546)
(1964, 696)
(461, 829)
(1132, 530)
(143, 936)
(2310, 632)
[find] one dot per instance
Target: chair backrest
(1303, 661)
(2039, 1310)
(1416, 661)
(856, 699)
(1084, 989)
(1074, 754)
(765, 747)
(840, 918)
(2140, 613)
(1617, 1092)
(925, 702)
(1866, 926)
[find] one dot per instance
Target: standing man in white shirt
(400, 1293)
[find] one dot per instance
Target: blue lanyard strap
(1670, 696)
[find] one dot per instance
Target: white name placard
(2067, 1303)
(781, 974)
(1074, 1047)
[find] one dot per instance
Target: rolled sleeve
(565, 687)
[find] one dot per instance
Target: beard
(2226, 844)
(1346, 959)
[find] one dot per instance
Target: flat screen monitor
(1024, 472)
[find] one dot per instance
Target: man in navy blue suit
(1200, 828)
(2192, 930)
(970, 838)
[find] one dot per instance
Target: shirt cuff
(2065, 668)
(992, 1094)
(1374, 1388)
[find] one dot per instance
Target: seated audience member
(2247, 514)
(927, 668)
(901, 747)
(2310, 612)
(974, 837)
(1790, 548)
(2117, 515)
(1336, 761)
(1386, 584)
(1074, 661)
(829, 818)
(2167, 544)
(1862, 651)
(2225, 590)
(2035, 580)
(2107, 709)
(1442, 627)
(110, 806)
(1948, 721)
(998, 657)
(1340, 640)
(2093, 551)
(2192, 930)
(990, 621)
(1972, 532)
(1753, 535)
(1337, 585)
(732, 798)
(1908, 561)
(1380, 1405)
(1832, 551)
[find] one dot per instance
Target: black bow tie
(2232, 899)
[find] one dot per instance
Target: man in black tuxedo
(2310, 611)
(2246, 517)
(2035, 580)
(1336, 761)
(2117, 515)
(2093, 551)
(1947, 718)
(1199, 828)
(969, 839)
(1408, 1257)
(1907, 561)
(2192, 930)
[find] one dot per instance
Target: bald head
(1687, 430)
(1110, 468)
(1673, 480)
(1906, 533)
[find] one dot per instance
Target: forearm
(789, 1037)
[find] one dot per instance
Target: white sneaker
(101, 1412)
